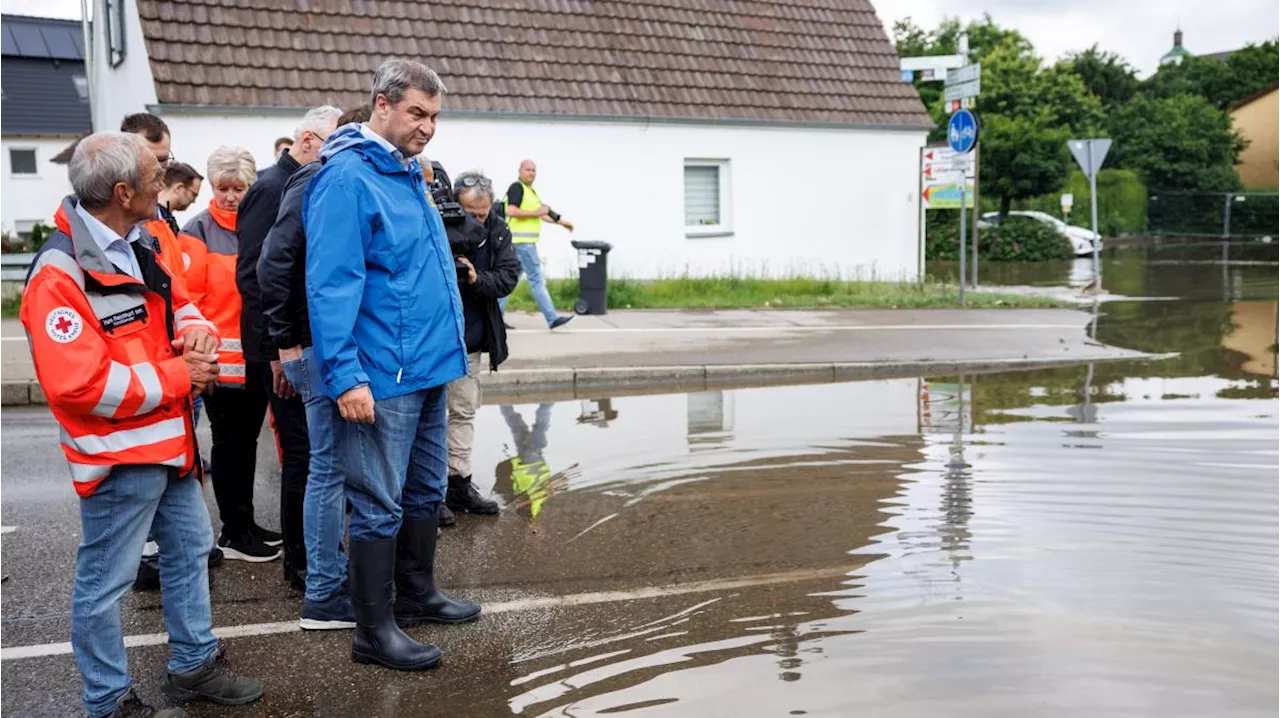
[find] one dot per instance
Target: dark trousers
(235, 418)
(295, 459)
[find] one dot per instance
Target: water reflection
(1098, 538)
(525, 479)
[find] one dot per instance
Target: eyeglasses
(474, 182)
(319, 136)
(167, 161)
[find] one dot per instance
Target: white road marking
(795, 328)
(8, 529)
(14, 653)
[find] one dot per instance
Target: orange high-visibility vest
(101, 343)
(211, 279)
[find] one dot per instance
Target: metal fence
(1214, 214)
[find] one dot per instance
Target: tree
(1027, 115)
(1022, 157)
(1182, 142)
(1253, 69)
(1105, 75)
(1203, 76)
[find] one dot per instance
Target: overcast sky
(1140, 30)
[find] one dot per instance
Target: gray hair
(480, 183)
(396, 76)
(103, 160)
(232, 163)
(317, 120)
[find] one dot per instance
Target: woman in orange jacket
(236, 406)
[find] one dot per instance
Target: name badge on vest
(119, 319)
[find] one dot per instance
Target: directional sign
(941, 178)
(962, 131)
(963, 82)
(1090, 154)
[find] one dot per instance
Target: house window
(706, 198)
(22, 162)
(82, 87)
(115, 31)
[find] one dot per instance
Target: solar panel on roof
(61, 43)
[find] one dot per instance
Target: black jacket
(497, 272)
(254, 219)
(282, 264)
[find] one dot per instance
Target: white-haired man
(257, 213)
(120, 350)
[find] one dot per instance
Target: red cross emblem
(63, 325)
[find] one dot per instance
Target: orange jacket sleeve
(73, 365)
(186, 315)
(195, 262)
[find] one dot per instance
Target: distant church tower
(1177, 52)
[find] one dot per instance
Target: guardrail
(14, 267)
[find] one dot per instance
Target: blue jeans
(114, 523)
(402, 460)
(527, 253)
(324, 508)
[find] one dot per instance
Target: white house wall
(33, 198)
(125, 89)
(802, 201)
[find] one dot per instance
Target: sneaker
(131, 706)
(446, 516)
(250, 549)
(266, 536)
(334, 613)
(560, 321)
(216, 557)
(214, 682)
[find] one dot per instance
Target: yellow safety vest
(530, 480)
(525, 230)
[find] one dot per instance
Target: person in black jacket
(492, 273)
(255, 216)
(281, 278)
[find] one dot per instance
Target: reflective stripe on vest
(525, 230)
(126, 439)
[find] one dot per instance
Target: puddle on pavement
(1100, 538)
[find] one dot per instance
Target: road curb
(646, 379)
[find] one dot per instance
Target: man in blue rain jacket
(387, 331)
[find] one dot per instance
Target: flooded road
(1094, 540)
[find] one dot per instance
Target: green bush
(1017, 239)
(39, 234)
(1122, 202)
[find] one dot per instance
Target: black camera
(466, 234)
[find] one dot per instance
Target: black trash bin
(593, 277)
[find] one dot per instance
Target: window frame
(35, 156)
(725, 227)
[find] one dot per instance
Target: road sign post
(1090, 154)
(962, 137)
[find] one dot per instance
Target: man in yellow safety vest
(525, 215)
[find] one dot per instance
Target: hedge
(1017, 239)
(1122, 202)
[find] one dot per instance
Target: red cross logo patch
(63, 325)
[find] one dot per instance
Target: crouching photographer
(487, 271)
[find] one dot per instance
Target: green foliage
(1105, 75)
(733, 292)
(39, 234)
(1248, 71)
(1022, 158)
(1122, 202)
(10, 304)
(1017, 239)
(1176, 143)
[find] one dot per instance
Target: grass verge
(751, 293)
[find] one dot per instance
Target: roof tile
(779, 60)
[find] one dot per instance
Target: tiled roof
(818, 61)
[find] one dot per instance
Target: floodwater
(1099, 540)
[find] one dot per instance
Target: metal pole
(1226, 228)
(964, 186)
(1093, 210)
(920, 257)
(977, 237)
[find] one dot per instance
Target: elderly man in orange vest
(119, 351)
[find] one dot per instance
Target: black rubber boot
(463, 496)
(377, 638)
(417, 598)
